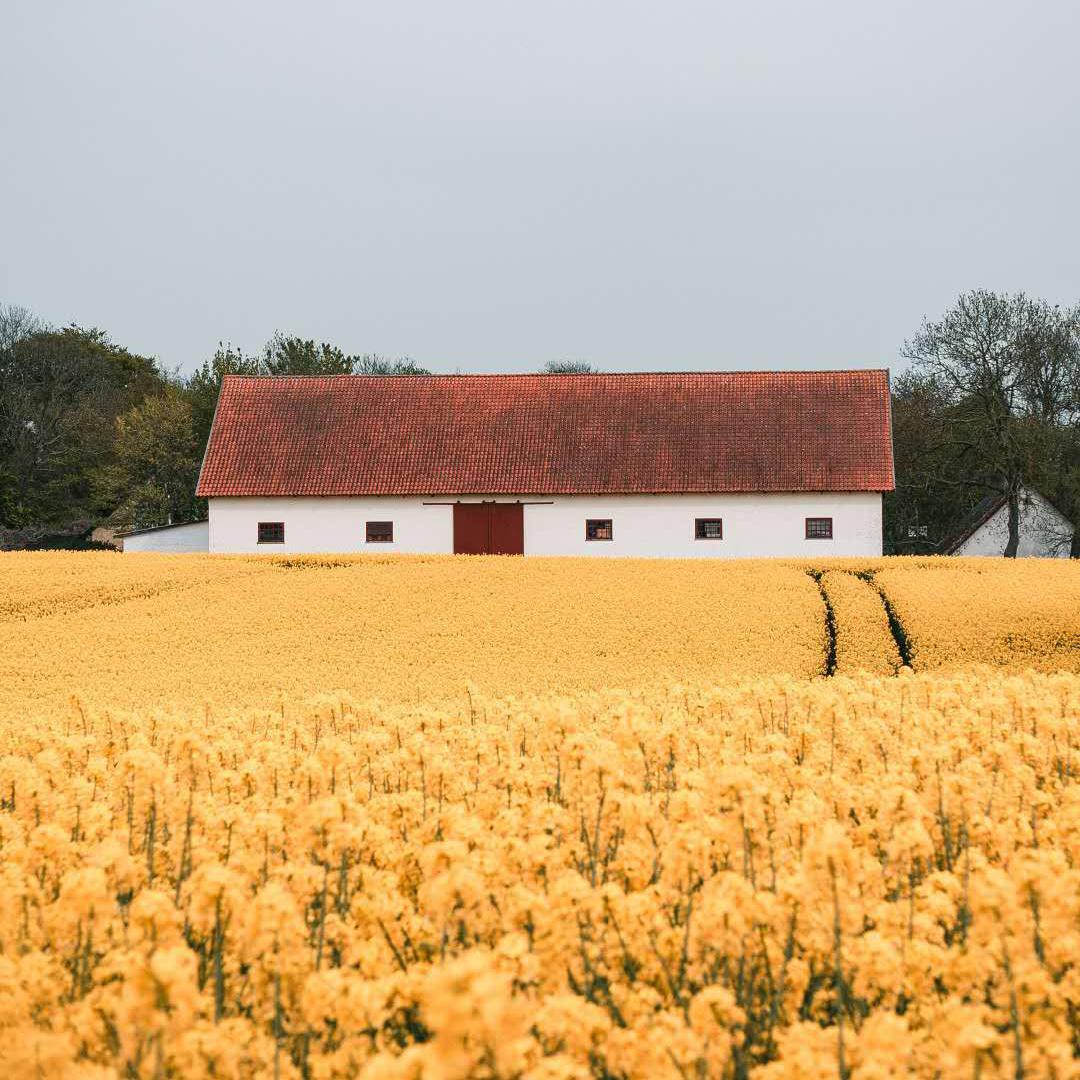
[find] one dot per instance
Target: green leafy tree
(204, 386)
(60, 394)
(289, 355)
(16, 324)
(152, 479)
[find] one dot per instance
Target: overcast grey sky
(490, 185)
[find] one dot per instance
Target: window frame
(275, 525)
(369, 539)
(596, 524)
(819, 535)
(700, 524)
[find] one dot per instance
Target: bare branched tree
(568, 367)
(371, 364)
(1006, 369)
(16, 323)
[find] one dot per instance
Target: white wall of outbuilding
(644, 525)
(175, 539)
(1045, 533)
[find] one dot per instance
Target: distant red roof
(551, 434)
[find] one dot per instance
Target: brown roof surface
(551, 434)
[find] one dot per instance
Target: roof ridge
(577, 375)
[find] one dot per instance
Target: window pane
(598, 529)
(380, 532)
(271, 532)
(819, 528)
(708, 529)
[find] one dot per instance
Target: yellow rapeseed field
(151, 629)
(140, 630)
(784, 878)
(993, 611)
(537, 819)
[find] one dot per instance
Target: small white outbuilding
(1045, 533)
(189, 536)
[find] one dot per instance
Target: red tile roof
(551, 434)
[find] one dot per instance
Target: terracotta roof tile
(551, 434)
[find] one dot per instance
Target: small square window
(599, 529)
(819, 528)
(380, 532)
(271, 532)
(708, 528)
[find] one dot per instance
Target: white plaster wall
(335, 524)
(754, 525)
(644, 525)
(177, 539)
(1044, 533)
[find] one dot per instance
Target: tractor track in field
(896, 627)
(830, 624)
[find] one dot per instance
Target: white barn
(676, 464)
(1045, 532)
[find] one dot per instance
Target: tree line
(92, 433)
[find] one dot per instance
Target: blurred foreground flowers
(862, 877)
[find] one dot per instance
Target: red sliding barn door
(489, 529)
(507, 529)
(470, 529)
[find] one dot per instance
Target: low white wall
(754, 525)
(644, 525)
(177, 539)
(1044, 532)
(330, 524)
